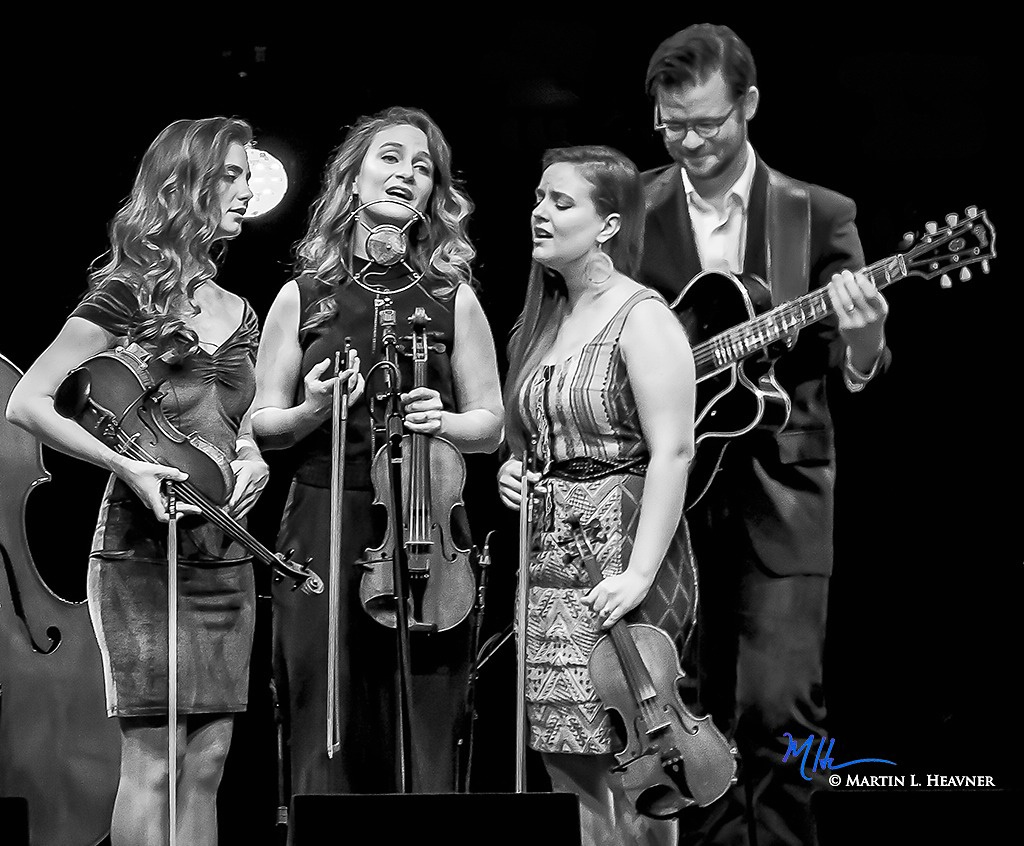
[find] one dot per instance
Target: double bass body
(58, 748)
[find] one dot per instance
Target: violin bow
(339, 429)
(522, 595)
(172, 665)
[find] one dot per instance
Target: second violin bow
(339, 430)
(522, 601)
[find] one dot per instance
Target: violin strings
(418, 519)
(211, 511)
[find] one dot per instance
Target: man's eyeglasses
(704, 127)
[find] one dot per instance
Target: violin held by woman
(387, 235)
(601, 374)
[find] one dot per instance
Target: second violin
(672, 759)
(441, 583)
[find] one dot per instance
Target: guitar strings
(774, 321)
(211, 511)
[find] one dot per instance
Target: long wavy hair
(615, 189)
(440, 250)
(163, 240)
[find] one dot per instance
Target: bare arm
(476, 426)
(277, 421)
(661, 372)
(31, 407)
(251, 471)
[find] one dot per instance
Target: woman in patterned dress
(601, 373)
(158, 291)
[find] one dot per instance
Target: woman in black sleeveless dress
(158, 291)
(386, 164)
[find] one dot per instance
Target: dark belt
(585, 468)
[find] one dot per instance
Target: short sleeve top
(207, 393)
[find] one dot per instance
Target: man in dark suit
(762, 533)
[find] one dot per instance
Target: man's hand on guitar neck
(861, 310)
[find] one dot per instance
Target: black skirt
(216, 609)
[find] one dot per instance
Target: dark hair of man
(692, 55)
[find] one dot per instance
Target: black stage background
(908, 119)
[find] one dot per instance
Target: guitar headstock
(952, 248)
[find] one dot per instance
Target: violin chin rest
(72, 395)
(661, 802)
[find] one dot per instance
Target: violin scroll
(305, 580)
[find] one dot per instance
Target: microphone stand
(464, 747)
(400, 563)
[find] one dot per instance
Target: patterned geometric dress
(585, 418)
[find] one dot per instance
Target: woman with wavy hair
(392, 173)
(601, 374)
(158, 291)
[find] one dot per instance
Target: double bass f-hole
(672, 759)
(58, 749)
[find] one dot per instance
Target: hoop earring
(599, 268)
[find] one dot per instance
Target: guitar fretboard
(743, 340)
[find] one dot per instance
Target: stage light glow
(268, 182)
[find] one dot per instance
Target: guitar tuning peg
(931, 227)
(965, 274)
(951, 219)
(984, 266)
(908, 239)
(945, 281)
(972, 211)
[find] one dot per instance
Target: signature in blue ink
(824, 761)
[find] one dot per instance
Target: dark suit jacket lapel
(670, 242)
(754, 255)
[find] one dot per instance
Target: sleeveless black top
(358, 318)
